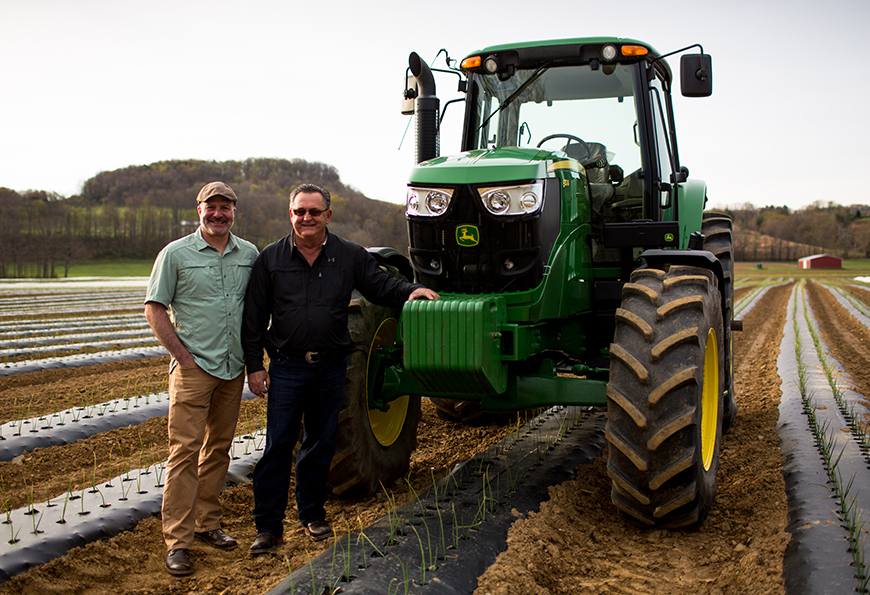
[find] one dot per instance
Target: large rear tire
(372, 448)
(717, 230)
(664, 398)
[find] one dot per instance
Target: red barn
(820, 261)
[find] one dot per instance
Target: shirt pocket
(198, 280)
(238, 276)
(334, 287)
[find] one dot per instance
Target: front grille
(510, 254)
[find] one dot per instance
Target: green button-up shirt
(205, 293)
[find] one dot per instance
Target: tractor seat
(596, 156)
(594, 160)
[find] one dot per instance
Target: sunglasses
(312, 212)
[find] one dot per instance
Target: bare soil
(576, 543)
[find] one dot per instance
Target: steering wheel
(570, 137)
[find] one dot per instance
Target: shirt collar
(201, 244)
(295, 248)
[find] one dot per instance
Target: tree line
(133, 212)
(783, 234)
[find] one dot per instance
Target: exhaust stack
(426, 108)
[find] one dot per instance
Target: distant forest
(133, 212)
(782, 234)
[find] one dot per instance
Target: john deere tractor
(576, 266)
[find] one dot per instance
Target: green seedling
(405, 580)
(392, 516)
(82, 495)
(13, 535)
(94, 475)
(362, 540)
(36, 522)
(48, 503)
(103, 498)
(124, 491)
(111, 468)
(311, 568)
(158, 470)
(290, 574)
(6, 509)
(30, 499)
(422, 556)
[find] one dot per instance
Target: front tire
(372, 448)
(717, 230)
(664, 397)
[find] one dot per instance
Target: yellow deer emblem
(467, 235)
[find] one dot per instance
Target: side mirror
(409, 95)
(696, 75)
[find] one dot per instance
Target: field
(574, 543)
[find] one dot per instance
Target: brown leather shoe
(178, 562)
(318, 530)
(217, 538)
(265, 542)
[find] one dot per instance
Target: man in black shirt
(303, 284)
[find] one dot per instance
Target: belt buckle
(311, 357)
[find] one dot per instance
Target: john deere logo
(467, 236)
(669, 238)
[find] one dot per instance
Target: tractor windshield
(586, 113)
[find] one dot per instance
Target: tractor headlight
(522, 199)
(497, 202)
(428, 202)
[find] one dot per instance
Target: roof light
(471, 62)
(608, 52)
(634, 50)
(491, 64)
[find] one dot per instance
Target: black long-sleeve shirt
(307, 304)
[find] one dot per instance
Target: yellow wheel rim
(386, 425)
(710, 400)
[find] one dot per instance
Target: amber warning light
(634, 50)
(471, 62)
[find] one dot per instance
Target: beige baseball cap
(216, 189)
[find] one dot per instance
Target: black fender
(386, 255)
(703, 259)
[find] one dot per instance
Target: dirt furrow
(576, 544)
(133, 561)
(848, 339)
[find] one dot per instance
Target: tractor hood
(484, 166)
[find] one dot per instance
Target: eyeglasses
(313, 212)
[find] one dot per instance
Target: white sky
(97, 85)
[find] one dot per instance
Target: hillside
(133, 212)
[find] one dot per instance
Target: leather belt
(311, 357)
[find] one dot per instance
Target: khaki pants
(203, 411)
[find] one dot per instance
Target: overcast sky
(98, 85)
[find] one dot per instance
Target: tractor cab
(598, 113)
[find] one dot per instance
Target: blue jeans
(298, 389)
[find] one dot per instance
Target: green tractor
(576, 266)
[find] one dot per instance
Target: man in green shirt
(194, 306)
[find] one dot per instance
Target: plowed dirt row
(133, 561)
(575, 544)
(848, 339)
